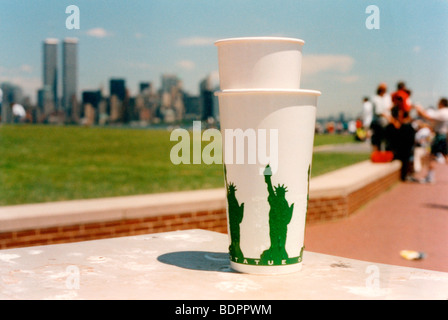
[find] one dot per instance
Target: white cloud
(26, 68)
(196, 41)
(416, 49)
(314, 64)
(214, 78)
(22, 76)
(139, 35)
(186, 64)
(15, 71)
(140, 65)
(29, 85)
(98, 33)
(349, 78)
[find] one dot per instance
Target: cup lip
(255, 39)
(268, 91)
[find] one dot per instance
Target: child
(422, 150)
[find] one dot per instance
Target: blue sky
(141, 39)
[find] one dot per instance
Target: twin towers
(50, 99)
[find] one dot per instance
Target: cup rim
(255, 39)
(268, 91)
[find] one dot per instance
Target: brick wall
(210, 220)
(325, 209)
(319, 209)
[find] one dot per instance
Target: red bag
(382, 156)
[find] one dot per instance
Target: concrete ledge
(344, 181)
(63, 213)
(332, 196)
(194, 264)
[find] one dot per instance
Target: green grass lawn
(49, 163)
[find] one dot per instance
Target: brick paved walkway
(408, 216)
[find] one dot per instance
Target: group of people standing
(414, 135)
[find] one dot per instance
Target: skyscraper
(118, 88)
(206, 98)
(69, 73)
(50, 69)
(119, 101)
(170, 81)
(145, 86)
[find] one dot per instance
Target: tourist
(381, 104)
(400, 134)
(18, 112)
(422, 149)
(439, 121)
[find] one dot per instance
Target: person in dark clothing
(400, 134)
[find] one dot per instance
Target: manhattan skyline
(141, 40)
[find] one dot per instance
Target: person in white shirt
(1, 100)
(439, 121)
(18, 112)
(422, 148)
(381, 104)
(367, 113)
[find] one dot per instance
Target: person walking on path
(422, 148)
(439, 120)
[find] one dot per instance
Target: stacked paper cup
(267, 125)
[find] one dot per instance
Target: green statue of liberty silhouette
(236, 213)
(280, 215)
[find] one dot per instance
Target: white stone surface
(193, 265)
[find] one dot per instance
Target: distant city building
(11, 93)
(69, 74)
(45, 101)
(192, 111)
(115, 106)
(169, 82)
(172, 103)
(145, 104)
(50, 69)
(145, 86)
(91, 101)
(206, 99)
(93, 97)
(118, 88)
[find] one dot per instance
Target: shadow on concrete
(198, 260)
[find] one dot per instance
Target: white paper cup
(259, 63)
(266, 225)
